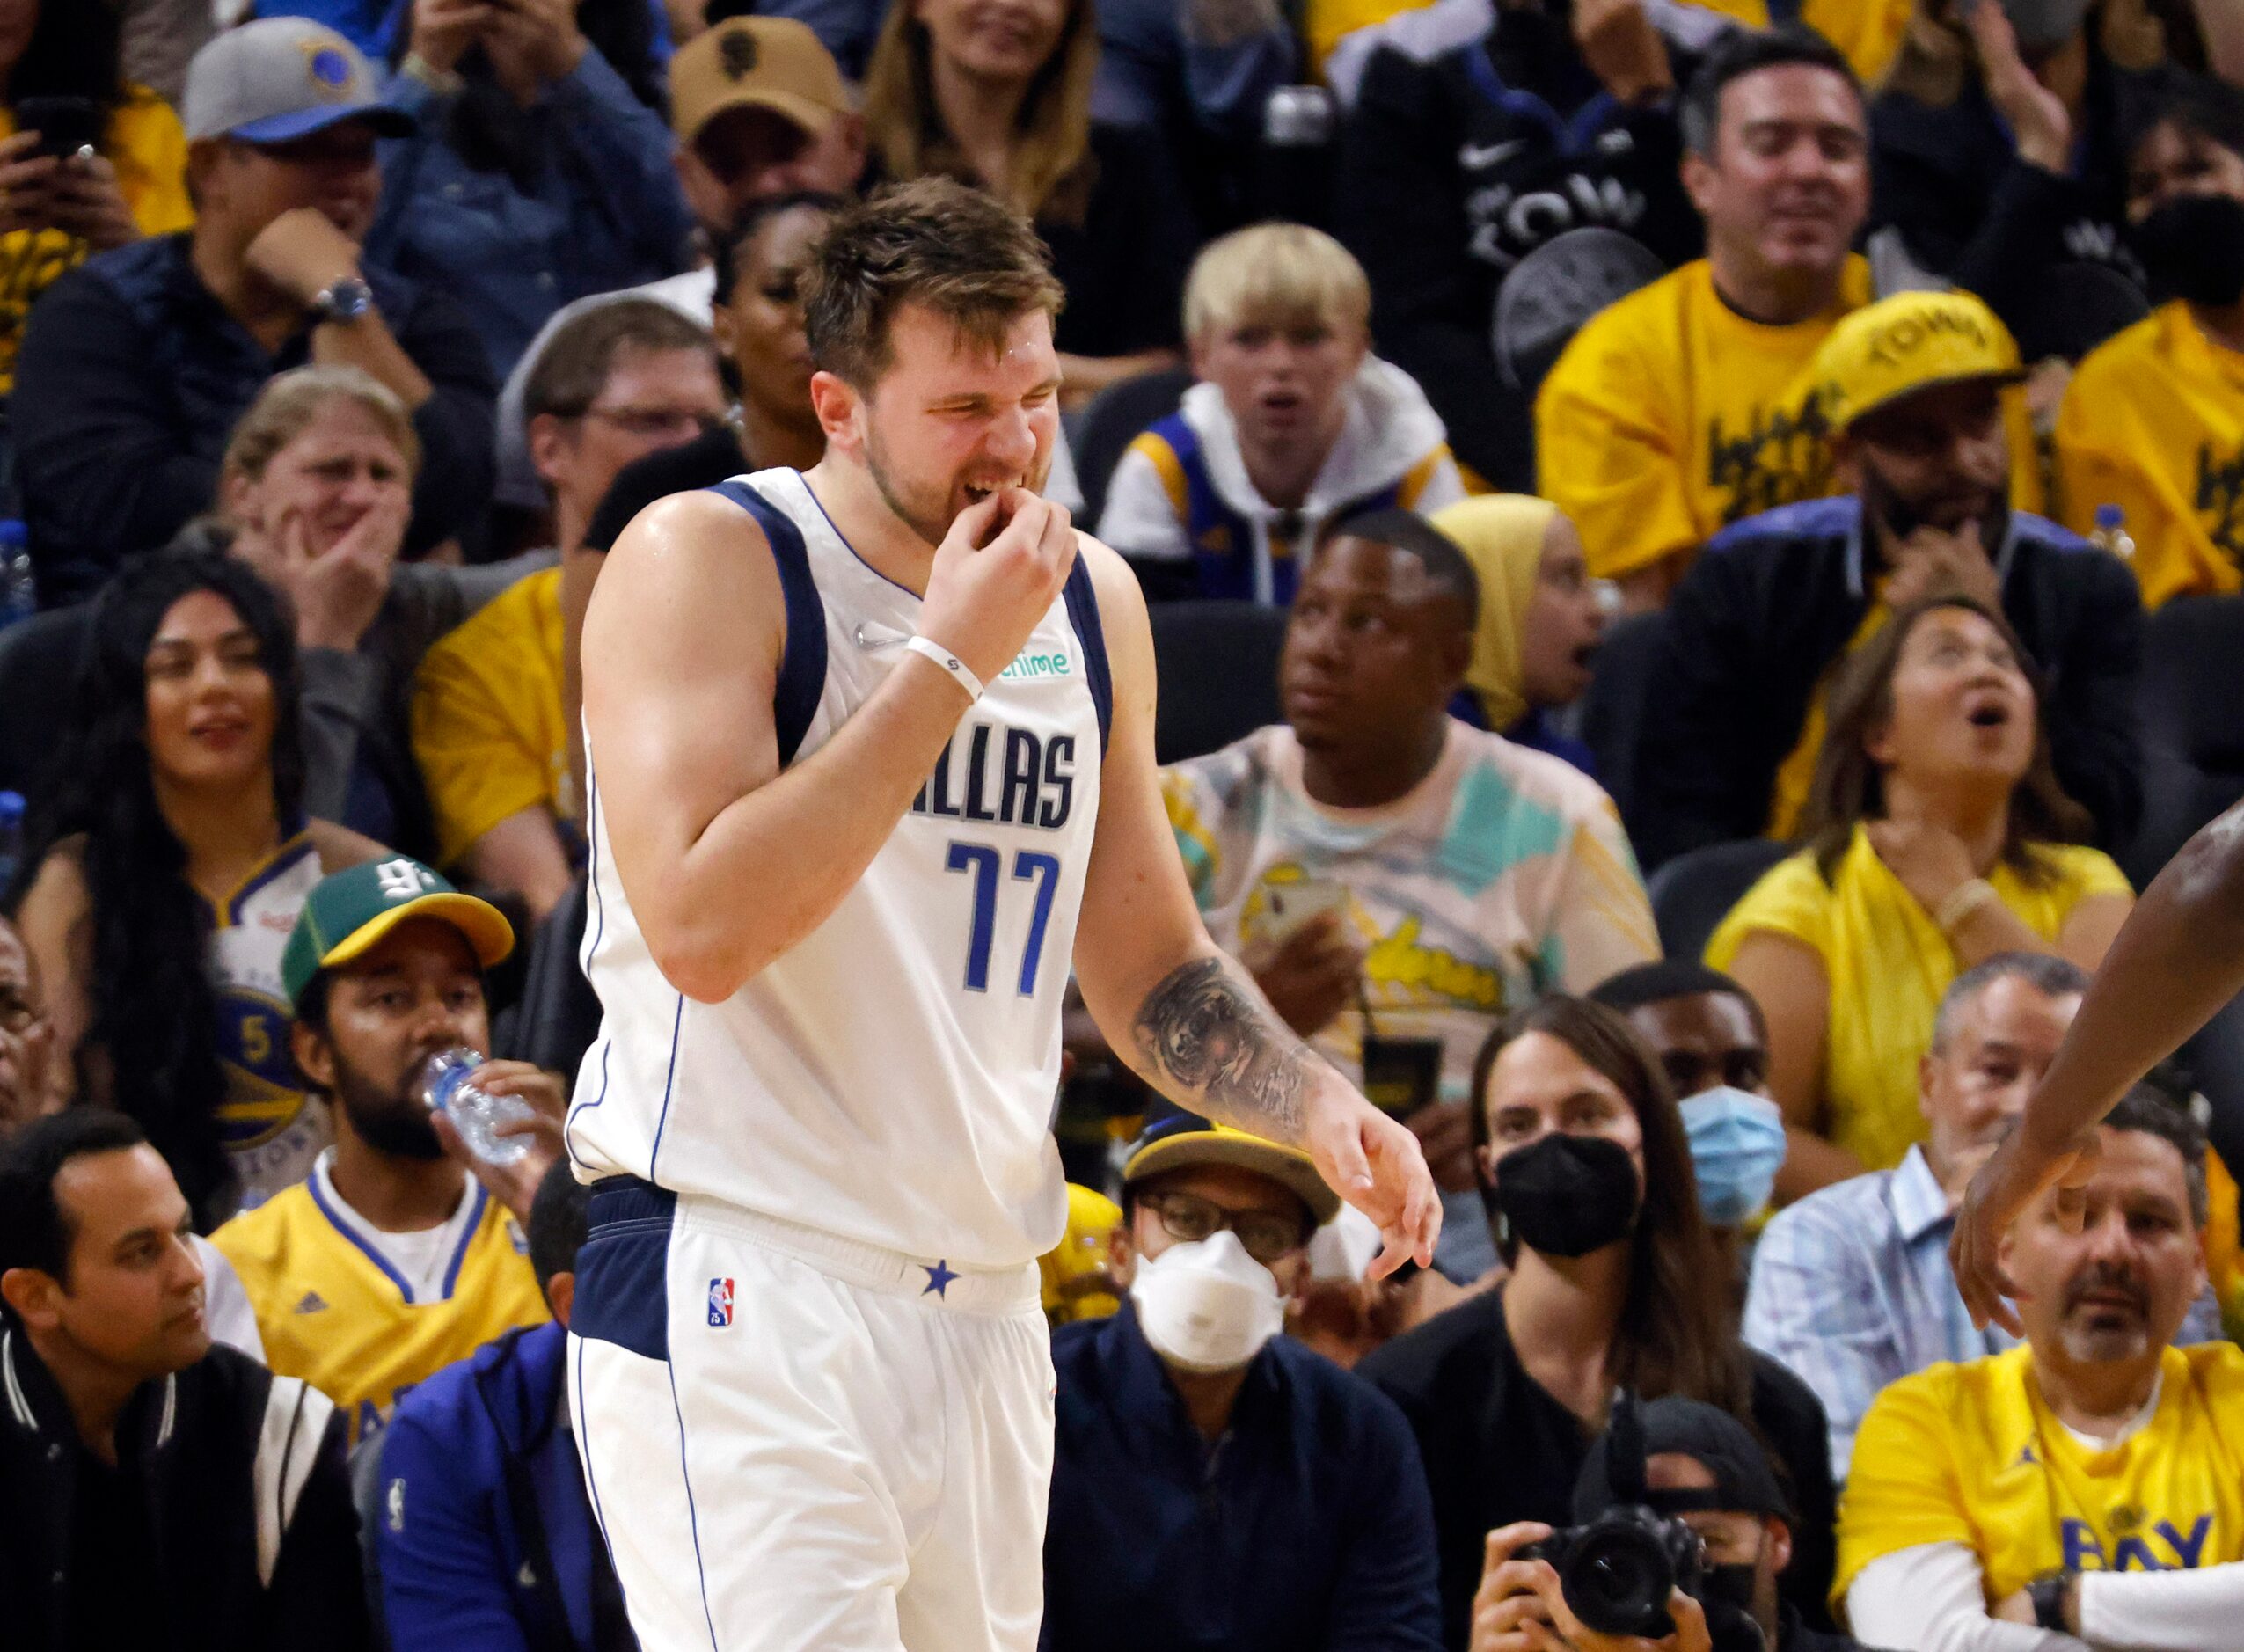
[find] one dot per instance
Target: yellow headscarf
(1501, 535)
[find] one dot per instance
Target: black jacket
(1946, 184)
(1452, 170)
(131, 378)
(1499, 1448)
(1773, 601)
(212, 1449)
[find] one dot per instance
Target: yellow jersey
(2153, 422)
(1073, 1271)
(334, 1310)
(1971, 1454)
(149, 148)
(1672, 416)
(488, 727)
(1888, 964)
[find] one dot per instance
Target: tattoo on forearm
(1202, 1031)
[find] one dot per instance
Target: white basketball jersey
(890, 1078)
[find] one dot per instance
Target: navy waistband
(629, 1199)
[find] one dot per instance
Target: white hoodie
(1392, 438)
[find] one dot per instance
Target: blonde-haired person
(1542, 617)
(314, 493)
(1295, 424)
(1003, 100)
(1938, 836)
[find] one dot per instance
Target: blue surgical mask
(1736, 1145)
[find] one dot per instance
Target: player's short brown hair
(933, 242)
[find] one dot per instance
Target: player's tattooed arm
(1204, 1032)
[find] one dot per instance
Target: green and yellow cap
(348, 912)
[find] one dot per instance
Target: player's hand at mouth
(995, 576)
(1375, 1162)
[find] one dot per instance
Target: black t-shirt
(710, 458)
(1123, 266)
(1498, 1448)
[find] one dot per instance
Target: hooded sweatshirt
(1182, 495)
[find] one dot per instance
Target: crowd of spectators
(1672, 507)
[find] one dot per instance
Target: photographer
(1703, 1468)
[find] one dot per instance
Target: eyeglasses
(651, 422)
(1266, 1237)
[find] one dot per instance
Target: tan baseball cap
(774, 64)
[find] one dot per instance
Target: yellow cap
(1179, 1140)
(1904, 343)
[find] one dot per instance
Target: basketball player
(864, 743)
(2177, 960)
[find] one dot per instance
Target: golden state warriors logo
(264, 1092)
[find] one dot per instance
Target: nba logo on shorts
(721, 1303)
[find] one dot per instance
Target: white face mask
(1206, 1305)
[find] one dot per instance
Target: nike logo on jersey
(1028, 781)
(312, 1303)
(1474, 156)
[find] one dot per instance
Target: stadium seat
(1217, 668)
(1612, 712)
(1693, 892)
(1114, 420)
(38, 680)
(559, 1014)
(2191, 708)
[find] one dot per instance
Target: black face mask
(1726, 1593)
(1566, 1195)
(2193, 248)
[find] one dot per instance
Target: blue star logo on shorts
(938, 1278)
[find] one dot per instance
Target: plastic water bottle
(18, 595)
(446, 1084)
(2111, 533)
(12, 836)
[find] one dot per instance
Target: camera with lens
(1617, 1570)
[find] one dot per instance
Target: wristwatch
(2048, 1594)
(344, 300)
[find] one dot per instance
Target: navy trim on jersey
(467, 1240)
(1083, 614)
(311, 1186)
(802, 663)
(622, 1272)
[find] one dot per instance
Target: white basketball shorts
(795, 1443)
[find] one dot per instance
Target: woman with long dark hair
(167, 869)
(1615, 1282)
(541, 171)
(111, 170)
(1938, 836)
(999, 96)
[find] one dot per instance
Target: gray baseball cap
(279, 78)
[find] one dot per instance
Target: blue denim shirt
(602, 211)
(1308, 1524)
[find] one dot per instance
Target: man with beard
(2091, 1483)
(2153, 424)
(1913, 389)
(391, 1262)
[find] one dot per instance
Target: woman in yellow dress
(1937, 837)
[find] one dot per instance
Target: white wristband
(950, 662)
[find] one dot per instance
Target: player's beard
(927, 510)
(390, 1122)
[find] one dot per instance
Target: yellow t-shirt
(2153, 423)
(1672, 416)
(1669, 417)
(1070, 1269)
(147, 147)
(1970, 1454)
(487, 728)
(332, 1313)
(1889, 963)
(1868, 31)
